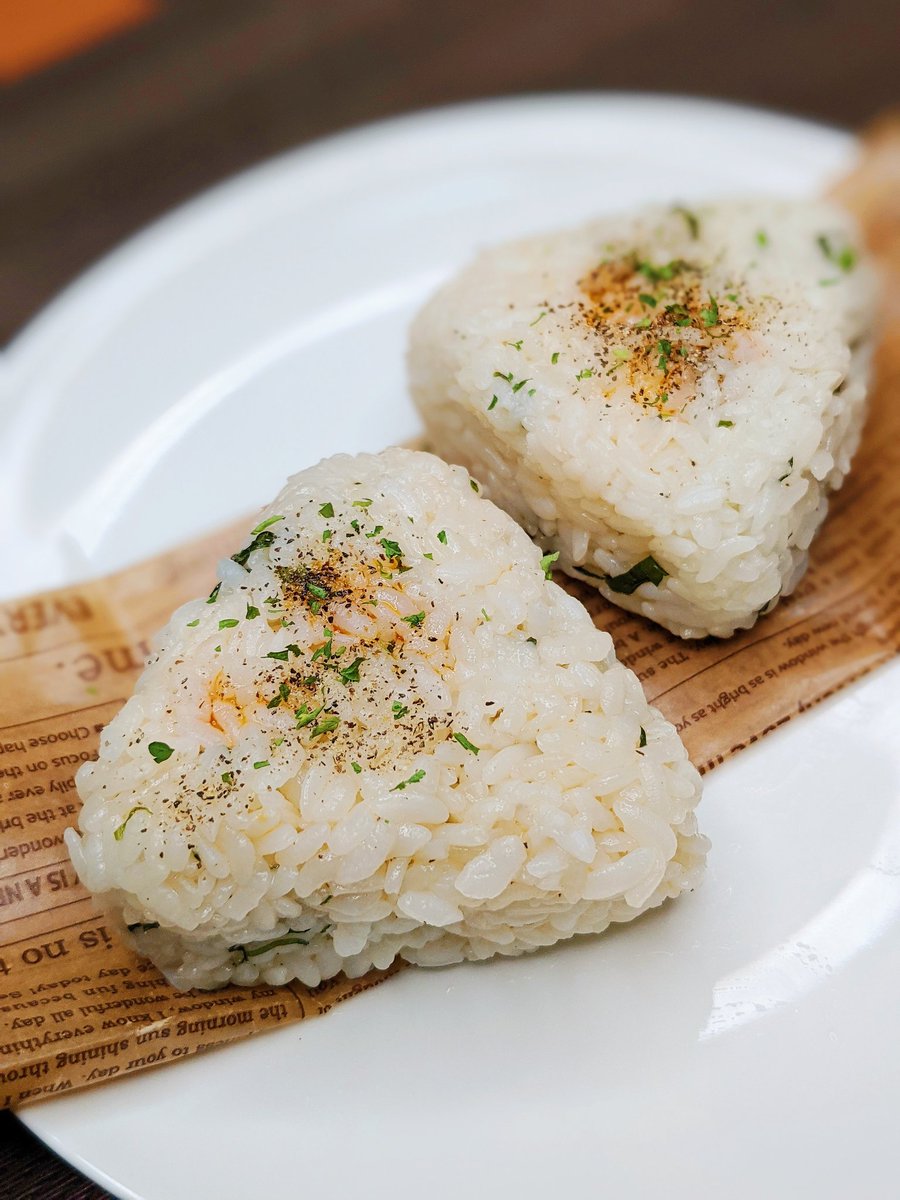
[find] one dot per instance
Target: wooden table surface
(116, 110)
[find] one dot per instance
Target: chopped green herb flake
(554, 357)
(327, 535)
(493, 403)
(327, 511)
(725, 424)
(430, 558)
(484, 614)
(442, 536)
(362, 503)
(351, 674)
(643, 742)
(762, 238)
(193, 624)
(358, 771)
(515, 345)
(375, 532)
(664, 346)
(281, 655)
(252, 612)
(655, 274)
(214, 594)
(228, 777)
(415, 619)
(517, 387)
(500, 375)
(414, 778)
(466, 744)
(305, 715)
(644, 323)
(585, 373)
(159, 751)
(265, 537)
(539, 317)
(647, 570)
(690, 220)
(263, 762)
(547, 563)
(399, 710)
(473, 485)
(844, 258)
(265, 525)
(327, 726)
(646, 298)
(391, 548)
(119, 833)
(324, 651)
(228, 623)
(710, 315)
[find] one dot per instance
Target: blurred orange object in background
(35, 33)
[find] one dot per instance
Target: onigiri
(664, 398)
(385, 733)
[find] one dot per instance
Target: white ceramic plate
(743, 1042)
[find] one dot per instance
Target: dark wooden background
(100, 142)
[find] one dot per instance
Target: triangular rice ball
(385, 733)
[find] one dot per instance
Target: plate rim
(51, 316)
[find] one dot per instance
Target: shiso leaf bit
(119, 833)
(262, 537)
(647, 570)
(547, 564)
(289, 939)
(265, 525)
(159, 751)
